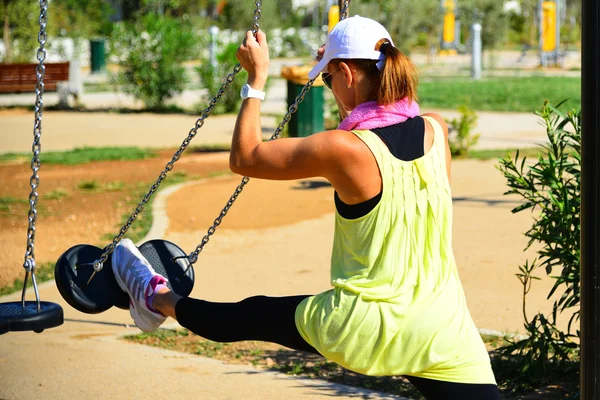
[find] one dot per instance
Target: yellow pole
(449, 29)
(449, 23)
(548, 26)
(333, 17)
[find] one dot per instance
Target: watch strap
(248, 92)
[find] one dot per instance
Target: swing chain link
(256, 17)
(344, 9)
(36, 148)
(34, 181)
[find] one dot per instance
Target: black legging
(269, 319)
(272, 319)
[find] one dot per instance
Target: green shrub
(213, 76)
(294, 45)
(550, 188)
(460, 137)
(150, 53)
(22, 21)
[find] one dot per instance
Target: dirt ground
(81, 216)
(488, 239)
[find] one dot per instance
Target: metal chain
(344, 10)
(193, 257)
(99, 263)
(36, 148)
(256, 17)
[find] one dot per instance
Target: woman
(397, 306)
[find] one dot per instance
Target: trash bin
(308, 119)
(97, 55)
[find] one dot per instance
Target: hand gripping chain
(193, 256)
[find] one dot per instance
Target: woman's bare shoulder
(343, 144)
(440, 120)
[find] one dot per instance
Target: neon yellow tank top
(397, 306)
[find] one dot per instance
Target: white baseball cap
(352, 38)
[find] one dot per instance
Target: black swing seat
(14, 317)
(74, 269)
(72, 274)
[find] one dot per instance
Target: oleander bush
(549, 188)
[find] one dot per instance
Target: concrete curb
(160, 219)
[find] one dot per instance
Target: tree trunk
(6, 36)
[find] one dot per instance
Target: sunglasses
(327, 78)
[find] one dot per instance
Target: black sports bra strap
(404, 140)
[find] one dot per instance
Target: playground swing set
(83, 273)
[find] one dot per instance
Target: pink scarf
(369, 115)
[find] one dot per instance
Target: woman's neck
(365, 91)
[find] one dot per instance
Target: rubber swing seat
(72, 274)
(14, 317)
(74, 269)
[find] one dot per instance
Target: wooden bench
(18, 78)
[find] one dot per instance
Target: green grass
(517, 94)
(8, 201)
(9, 204)
(501, 153)
(115, 186)
(43, 273)
(85, 155)
(57, 194)
(210, 148)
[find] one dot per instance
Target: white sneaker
(133, 274)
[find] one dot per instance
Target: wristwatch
(247, 92)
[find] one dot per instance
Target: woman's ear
(348, 74)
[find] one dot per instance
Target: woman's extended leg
(269, 319)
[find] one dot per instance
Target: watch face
(244, 91)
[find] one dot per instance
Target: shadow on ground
(298, 363)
